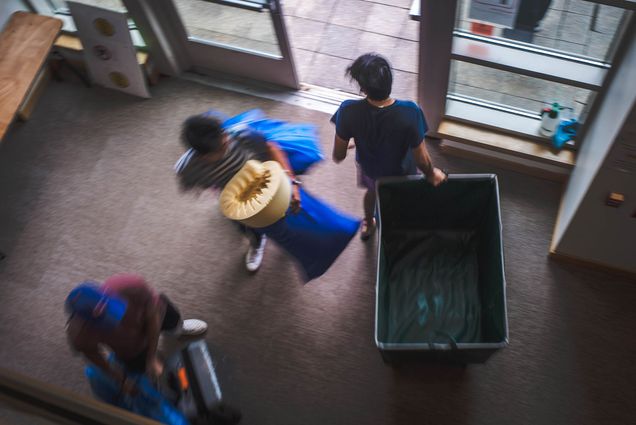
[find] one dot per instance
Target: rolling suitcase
(191, 383)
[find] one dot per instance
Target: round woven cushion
(258, 195)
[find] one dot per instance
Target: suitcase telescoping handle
(205, 386)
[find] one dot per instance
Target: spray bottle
(550, 118)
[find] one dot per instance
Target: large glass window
(243, 24)
(575, 27)
(555, 51)
(515, 92)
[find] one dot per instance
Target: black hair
(373, 74)
(202, 133)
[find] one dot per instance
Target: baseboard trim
(311, 97)
(553, 255)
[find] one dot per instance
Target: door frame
(167, 40)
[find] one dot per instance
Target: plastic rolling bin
(441, 289)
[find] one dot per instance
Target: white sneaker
(191, 327)
(254, 256)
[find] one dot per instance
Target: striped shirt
(194, 171)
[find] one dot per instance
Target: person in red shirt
(126, 315)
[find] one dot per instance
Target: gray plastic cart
(441, 289)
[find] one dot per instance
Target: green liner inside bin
(440, 264)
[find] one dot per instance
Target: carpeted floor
(87, 190)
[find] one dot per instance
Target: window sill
(508, 151)
(500, 118)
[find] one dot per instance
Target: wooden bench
(25, 44)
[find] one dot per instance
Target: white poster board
(496, 12)
(110, 55)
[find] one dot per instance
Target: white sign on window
(496, 12)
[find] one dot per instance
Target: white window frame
(440, 43)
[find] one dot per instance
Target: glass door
(247, 38)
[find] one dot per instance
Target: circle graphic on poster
(119, 79)
(102, 52)
(104, 27)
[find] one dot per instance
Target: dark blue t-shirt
(384, 137)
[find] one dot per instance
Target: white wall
(587, 228)
(7, 7)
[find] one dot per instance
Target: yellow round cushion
(258, 195)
